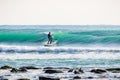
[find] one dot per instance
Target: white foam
(5, 46)
(60, 56)
(37, 52)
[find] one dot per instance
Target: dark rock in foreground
(114, 70)
(48, 68)
(70, 70)
(14, 70)
(23, 70)
(81, 71)
(46, 78)
(6, 67)
(23, 79)
(76, 77)
(53, 71)
(61, 73)
(76, 72)
(63, 68)
(3, 79)
(90, 77)
(29, 67)
(98, 71)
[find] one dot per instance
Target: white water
(60, 56)
(14, 52)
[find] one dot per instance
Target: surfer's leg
(50, 41)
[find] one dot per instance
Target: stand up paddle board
(55, 43)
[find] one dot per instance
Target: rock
(23, 70)
(76, 72)
(63, 68)
(3, 78)
(14, 70)
(6, 67)
(98, 71)
(48, 68)
(29, 67)
(23, 79)
(70, 70)
(80, 70)
(52, 71)
(90, 77)
(111, 69)
(76, 77)
(46, 78)
(114, 70)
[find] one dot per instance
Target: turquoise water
(79, 45)
(66, 35)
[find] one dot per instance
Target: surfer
(49, 38)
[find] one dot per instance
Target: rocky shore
(59, 73)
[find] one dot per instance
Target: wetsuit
(49, 39)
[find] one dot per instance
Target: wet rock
(98, 71)
(14, 70)
(76, 72)
(23, 79)
(46, 78)
(70, 70)
(53, 71)
(29, 67)
(80, 70)
(110, 69)
(23, 70)
(114, 70)
(3, 78)
(63, 68)
(48, 68)
(90, 77)
(76, 77)
(6, 67)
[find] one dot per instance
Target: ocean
(78, 46)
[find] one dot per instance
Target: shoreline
(58, 73)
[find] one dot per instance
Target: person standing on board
(49, 38)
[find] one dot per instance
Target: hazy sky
(60, 12)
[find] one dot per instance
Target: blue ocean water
(79, 45)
